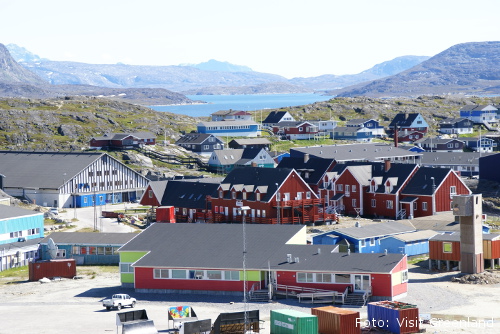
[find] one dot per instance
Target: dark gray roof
(42, 169)
(209, 245)
(251, 141)
(120, 136)
(403, 119)
(194, 138)
(426, 180)
(374, 230)
(188, 193)
(7, 212)
(220, 246)
(451, 158)
(274, 117)
(316, 167)
(309, 260)
(89, 238)
(351, 152)
(19, 244)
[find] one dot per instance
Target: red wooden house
(276, 257)
(313, 170)
(431, 190)
(446, 247)
(296, 130)
(274, 196)
(154, 193)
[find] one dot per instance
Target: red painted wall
(381, 285)
(436, 251)
(144, 280)
(443, 199)
(344, 179)
(149, 201)
(399, 289)
(381, 205)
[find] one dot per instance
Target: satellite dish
(52, 248)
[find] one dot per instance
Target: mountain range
(468, 68)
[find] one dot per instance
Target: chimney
(306, 157)
(396, 136)
(349, 251)
(387, 165)
(385, 251)
(254, 164)
(319, 250)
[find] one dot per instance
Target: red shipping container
(165, 214)
(336, 320)
(52, 268)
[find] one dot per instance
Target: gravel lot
(73, 306)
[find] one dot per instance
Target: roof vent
(297, 260)
(348, 252)
(289, 258)
(319, 250)
(385, 251)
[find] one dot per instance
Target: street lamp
(244, 210)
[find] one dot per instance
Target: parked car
(54, 211)
(118, 301)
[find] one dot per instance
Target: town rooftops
(8, 212)
(120, 136)
(375, 230)
(360, 152)
(454, 237)
(167, 244)
(42, 169)
(415, 236)
(89, 238)
(188, 193)
(193, 138)
(311, 170)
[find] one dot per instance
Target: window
(234, 194)
(389, 204)
(100, 250)
(161, 273)
(232, 275)
(244, 195)
(424, 206)
(354, 203)
(214, 274)
(342, 278)
(374, 203)
(221, 194)
(323, 278)
(404, 276)
(176, 273)
(453, 190)
(353, 188)
(308, 195)
(126, 268)
(206, 147)
(305, 277)
(372, 241)
(447, 247)
(363, 243)
(108, 250)
(257, 196)
(340, 187)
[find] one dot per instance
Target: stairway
(354, 299)
(259, 296)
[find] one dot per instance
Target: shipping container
(395, 317)
(293, 322)
(336, 320)
(165, 214)
(52, 268)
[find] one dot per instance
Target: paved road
(91, 217)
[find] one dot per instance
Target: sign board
(239, 203)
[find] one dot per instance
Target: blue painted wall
(83, 201)
(88, 259)
(397, 246)
(22, 224)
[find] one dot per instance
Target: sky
(290, 38)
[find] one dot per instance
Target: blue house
(480, 113)
(18, 224)
(362, 239)
(412, 243)
(374, 125)
(236, 128)
(481, 144)
(86, 247)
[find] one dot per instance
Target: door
(361, 282)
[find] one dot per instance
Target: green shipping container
(293, 322)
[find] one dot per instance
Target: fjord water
(240, 102)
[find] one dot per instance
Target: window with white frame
(308, 195)
(424, 206)
(453, 190)
(126, 268)
(257, 196)
(305, 277)
(372, 241)
(374, 203)
(389, 204)
(354, 203)
(353, 188)
(323, 278)
(340, 187)
(161, 273)
(231, 275)
(404, 276)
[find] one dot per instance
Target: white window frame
(374, 203)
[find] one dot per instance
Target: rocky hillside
(68, 124)
(468, 68)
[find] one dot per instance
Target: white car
(54, 211)
(118, 301)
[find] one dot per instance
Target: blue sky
(290, 38)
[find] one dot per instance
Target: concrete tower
(469, 210)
